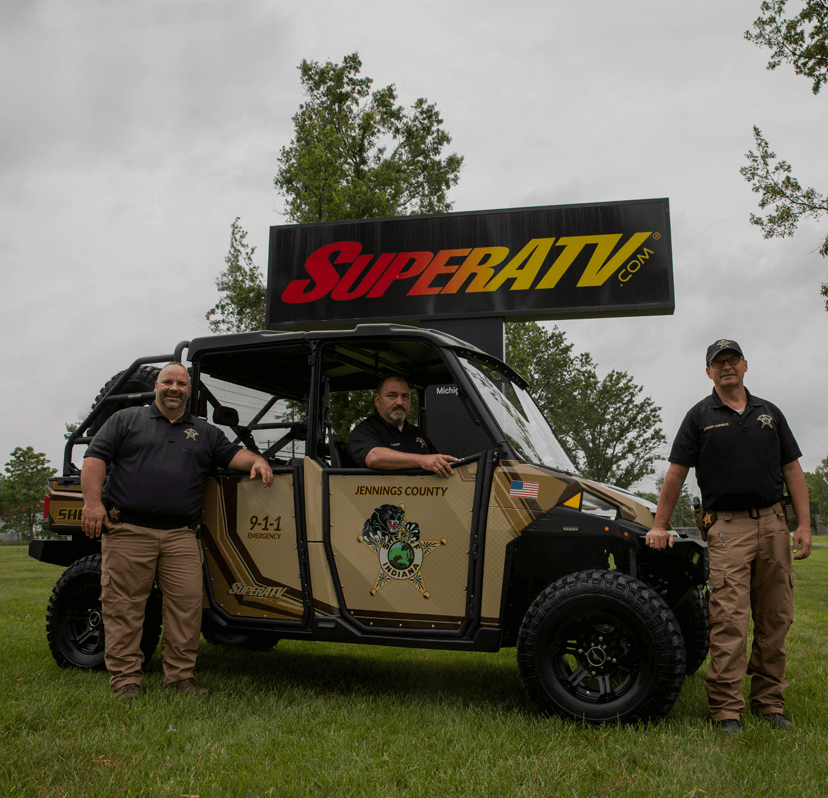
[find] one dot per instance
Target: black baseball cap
(722, 345)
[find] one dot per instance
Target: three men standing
(149, 509)
(742, 450)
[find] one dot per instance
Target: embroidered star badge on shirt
(766, 420)
(191, 434)
(421, 442)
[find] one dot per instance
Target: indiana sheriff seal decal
(190, 434)
(766, 420)
(397, 544)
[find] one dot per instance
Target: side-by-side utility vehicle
(515, 548)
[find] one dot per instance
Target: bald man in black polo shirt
(387, 441)
(742, 450)
(150, 509)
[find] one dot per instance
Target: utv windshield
(518, 416)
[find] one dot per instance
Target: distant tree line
(22, 489)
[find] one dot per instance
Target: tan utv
(514, 549)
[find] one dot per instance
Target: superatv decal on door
(253, 574)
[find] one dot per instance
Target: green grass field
(313, 719)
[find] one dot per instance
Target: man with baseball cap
(742, 450)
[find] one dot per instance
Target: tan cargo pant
(750, 573)
(134, 556)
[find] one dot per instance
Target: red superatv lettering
(450, 271)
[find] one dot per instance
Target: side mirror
(226, 416)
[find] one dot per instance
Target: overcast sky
(133, 133)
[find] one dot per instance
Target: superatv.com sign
(549, 262)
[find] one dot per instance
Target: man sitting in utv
(388, 442)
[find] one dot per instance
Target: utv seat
(340, 457)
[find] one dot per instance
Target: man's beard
(172, 402)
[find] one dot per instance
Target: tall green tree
(23, 488)
(544, 358)
(357, 154)
(683, 512)
(242, 304)
(615, 431)
(609, 430)
(800, 40)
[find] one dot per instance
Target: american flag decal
(525, 490)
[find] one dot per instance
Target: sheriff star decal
(397, 544)
(722, 344)
(766, 420)
(191, 434)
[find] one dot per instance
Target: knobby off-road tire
(263, 641)
(692, 620)
(601, 646)
(74, 619)
(141, 381)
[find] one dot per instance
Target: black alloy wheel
(74, 619)
(601, 646)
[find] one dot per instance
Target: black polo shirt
(374, 432)
(158, 466)
(738, 457)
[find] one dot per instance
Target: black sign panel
(554, 262)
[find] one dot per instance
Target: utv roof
(403, 343)
(360, 332)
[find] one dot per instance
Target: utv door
(405, 549)
(254, 536)
(252, 550)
